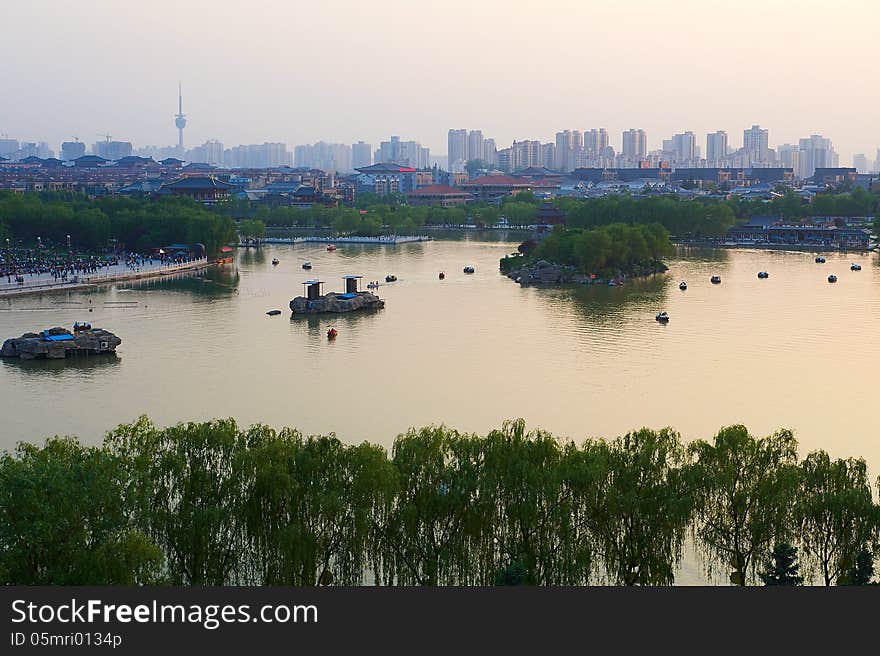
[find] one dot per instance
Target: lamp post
(39, 252)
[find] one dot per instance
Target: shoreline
(806, 248)
(99, 280)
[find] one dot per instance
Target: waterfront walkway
(384, 239)
(45, 283)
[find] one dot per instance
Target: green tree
(252, 229)
(641, 505)
(63, 519)
(310, 505)
(782, 567)
(185, 485)
(528, 500)
(745, 491)
(835, 512)
(861, 570)
(435, 515)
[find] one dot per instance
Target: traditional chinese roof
(197, 183)
(384, 167)
(497, 181)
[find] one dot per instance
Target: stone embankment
(336, 303)
(547, 273)
(59, 343)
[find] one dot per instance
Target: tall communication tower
(180, 119)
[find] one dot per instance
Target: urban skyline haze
(341, 73)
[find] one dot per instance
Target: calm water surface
(470, 351)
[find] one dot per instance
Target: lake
(470, 351)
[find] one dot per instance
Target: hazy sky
(345, 70)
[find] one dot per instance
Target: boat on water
(331, 247)
(273, 313)
(307, 265)
(275, 261)
(682, 285)
(442, 275)
(855, 267)
(820, 259)
(332, 333)
(390, 278)
(715, 280)
(372, 285)
(469, 269)
(832, 278)
(763, 274)
(662, 317)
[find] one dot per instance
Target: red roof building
(438, 196)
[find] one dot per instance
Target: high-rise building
(860, 162)
(595, 142)
(210, 152)
(475, 144)
(716, 147)
(569, 143)
(818, 152)
(325, 156)
(257, 156)
(756, 144)
(877, 162)
(112, 150)
(8, 147)
(548, 155)
(490, 152)
(361, 155)
(635, 145)
(790, 156)
(684, 147)
(405, 153)
(70, 150)
(457, 149)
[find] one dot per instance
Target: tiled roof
(497, 181)
(197, 183)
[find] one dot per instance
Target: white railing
(79, 280)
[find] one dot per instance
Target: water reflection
(81, 366)
(212, 282)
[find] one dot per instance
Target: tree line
(131, 224)
(216, 504)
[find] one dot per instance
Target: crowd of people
(17, 266)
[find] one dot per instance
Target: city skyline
(266, 85)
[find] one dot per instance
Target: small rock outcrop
(59, 343)
(336, 303)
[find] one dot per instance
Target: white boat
(855, 267)
(662, 317)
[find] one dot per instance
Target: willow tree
(428, 534)
(310, 507)
(529, 505)
(835, 511)
(642, 505)
(186, 488)
(63, 519)
(745, 490)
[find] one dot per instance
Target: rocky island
(335, 303)
(603, 254)
(59, 343)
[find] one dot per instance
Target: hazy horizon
(345, 71)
